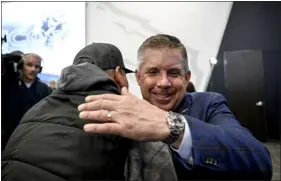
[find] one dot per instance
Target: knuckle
(86, 107)
(98, 104)
(85, 115)
(106, 96)
(100, 115)
(129, 126)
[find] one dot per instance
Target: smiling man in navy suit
(203, 136)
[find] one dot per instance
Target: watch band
(177, 126)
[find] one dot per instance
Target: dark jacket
(50, 143)
(17, 99)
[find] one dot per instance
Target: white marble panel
(199, 25)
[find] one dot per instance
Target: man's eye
(29, 64)
(152, 72)
(174, 73)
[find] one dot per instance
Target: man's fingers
(101, 115)
(111, 97)
(97, 105)
(104, 128)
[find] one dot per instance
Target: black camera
(11, 67)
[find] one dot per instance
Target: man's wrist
(176, 145)
(176, 123)
(165, 128)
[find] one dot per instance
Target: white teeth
(162, 96)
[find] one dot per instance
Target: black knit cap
(105, 56)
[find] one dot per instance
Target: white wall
(199, 25)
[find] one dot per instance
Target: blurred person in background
(53, 85)
(24, 94)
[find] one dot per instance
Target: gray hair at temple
(163, 41)
(32, 55)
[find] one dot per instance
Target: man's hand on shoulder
(125, 115)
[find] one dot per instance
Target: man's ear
(187, 77)
(119, 77)
(137, 74)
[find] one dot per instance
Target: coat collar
(185, 104)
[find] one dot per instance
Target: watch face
(177, 126)
(176, 118)
(172, 118)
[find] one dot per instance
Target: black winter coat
(50, 143)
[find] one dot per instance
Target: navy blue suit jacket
(221, 147)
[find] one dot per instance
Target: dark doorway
(272, 87)
(253, 90)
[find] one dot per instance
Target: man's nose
(33, 68)
(164, 82)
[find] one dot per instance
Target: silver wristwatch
(177, 126)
